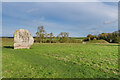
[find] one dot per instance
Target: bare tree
(64, 36)
(51, 37)
(40, 33)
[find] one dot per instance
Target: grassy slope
(60, 61)
(98, 41)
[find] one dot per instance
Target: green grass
(60, 60)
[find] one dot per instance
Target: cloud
(70, 12)
(42, 18)
(77, 18)
(109, 22)
(60, 0)
(32, 10)
(76, 11)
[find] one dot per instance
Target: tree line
(109, 37)
(43, 37)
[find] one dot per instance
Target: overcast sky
(77, 18)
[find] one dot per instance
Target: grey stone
(22, 39)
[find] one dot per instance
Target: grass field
(60, 60)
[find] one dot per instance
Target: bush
(86, 39)
(109, 37)
(64, 40)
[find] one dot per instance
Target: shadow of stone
(10, 47)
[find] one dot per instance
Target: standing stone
(22, 39)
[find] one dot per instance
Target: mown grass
(60, 60)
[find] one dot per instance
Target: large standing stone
(22, 39)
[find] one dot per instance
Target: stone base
(21, 47)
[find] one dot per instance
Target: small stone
(22, 39)
(83, 42)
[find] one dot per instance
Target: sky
(77, 18)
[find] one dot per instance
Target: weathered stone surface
(22, 39)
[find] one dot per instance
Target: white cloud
(77, 11)
(109, 22)
(77, 14)
(32, 10)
